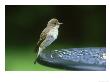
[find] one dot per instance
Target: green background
(83, 26)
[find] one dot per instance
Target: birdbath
(88, 59)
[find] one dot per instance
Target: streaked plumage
(48, 35)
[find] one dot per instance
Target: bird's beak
(60, 23)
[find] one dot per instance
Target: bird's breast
(54, 33)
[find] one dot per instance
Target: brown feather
(43, 35)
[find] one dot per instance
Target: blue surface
(75, 58)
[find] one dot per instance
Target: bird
(48, 35)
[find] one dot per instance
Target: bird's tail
(39, 52)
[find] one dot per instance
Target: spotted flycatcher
(48, 35)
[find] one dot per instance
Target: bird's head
(54, 22)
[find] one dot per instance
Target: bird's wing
(42, 38)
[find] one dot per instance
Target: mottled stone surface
(75, 59)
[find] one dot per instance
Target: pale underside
(47, 36)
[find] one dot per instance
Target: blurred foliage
(83, 26)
